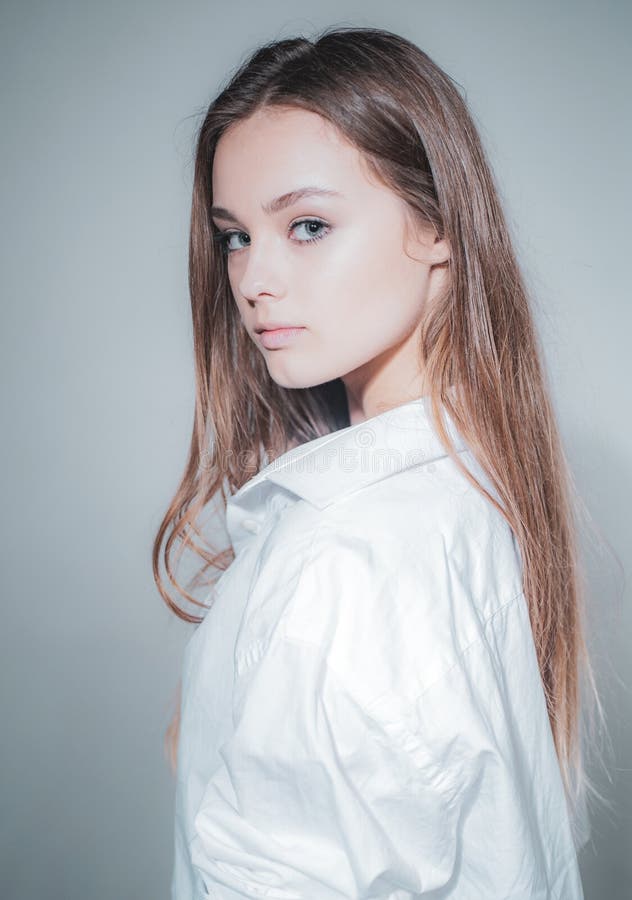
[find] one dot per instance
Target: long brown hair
(409, 120)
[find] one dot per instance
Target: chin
(290, 383)
(294, 381)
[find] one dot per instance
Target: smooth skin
(359, 287)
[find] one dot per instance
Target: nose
(262, 273)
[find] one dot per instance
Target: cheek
(368, 290)
(347, 271)
(241, 308)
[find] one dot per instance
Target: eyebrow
(279, 203)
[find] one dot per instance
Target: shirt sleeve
(316, 796)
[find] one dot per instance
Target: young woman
(384, 696)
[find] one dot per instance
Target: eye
(315, 230)
(313, 236)
(224, 237)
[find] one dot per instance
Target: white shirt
(362, 713)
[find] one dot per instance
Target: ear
(424, 244)
(439, 251)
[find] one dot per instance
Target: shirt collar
(331, 466)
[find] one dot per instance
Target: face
(344, 266)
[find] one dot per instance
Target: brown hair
(410, 122)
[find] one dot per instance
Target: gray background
(99, 105)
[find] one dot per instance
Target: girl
(383, 699)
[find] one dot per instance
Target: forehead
(278, 149)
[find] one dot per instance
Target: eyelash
(224, 236)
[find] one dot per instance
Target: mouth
(273, 338)
(275, 326)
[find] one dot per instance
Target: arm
(315, 797)
(312, 799)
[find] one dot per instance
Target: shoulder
(392, 583)
(429, 523)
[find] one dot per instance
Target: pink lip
(278, 337)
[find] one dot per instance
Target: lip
(272, 338)
(274, 326)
